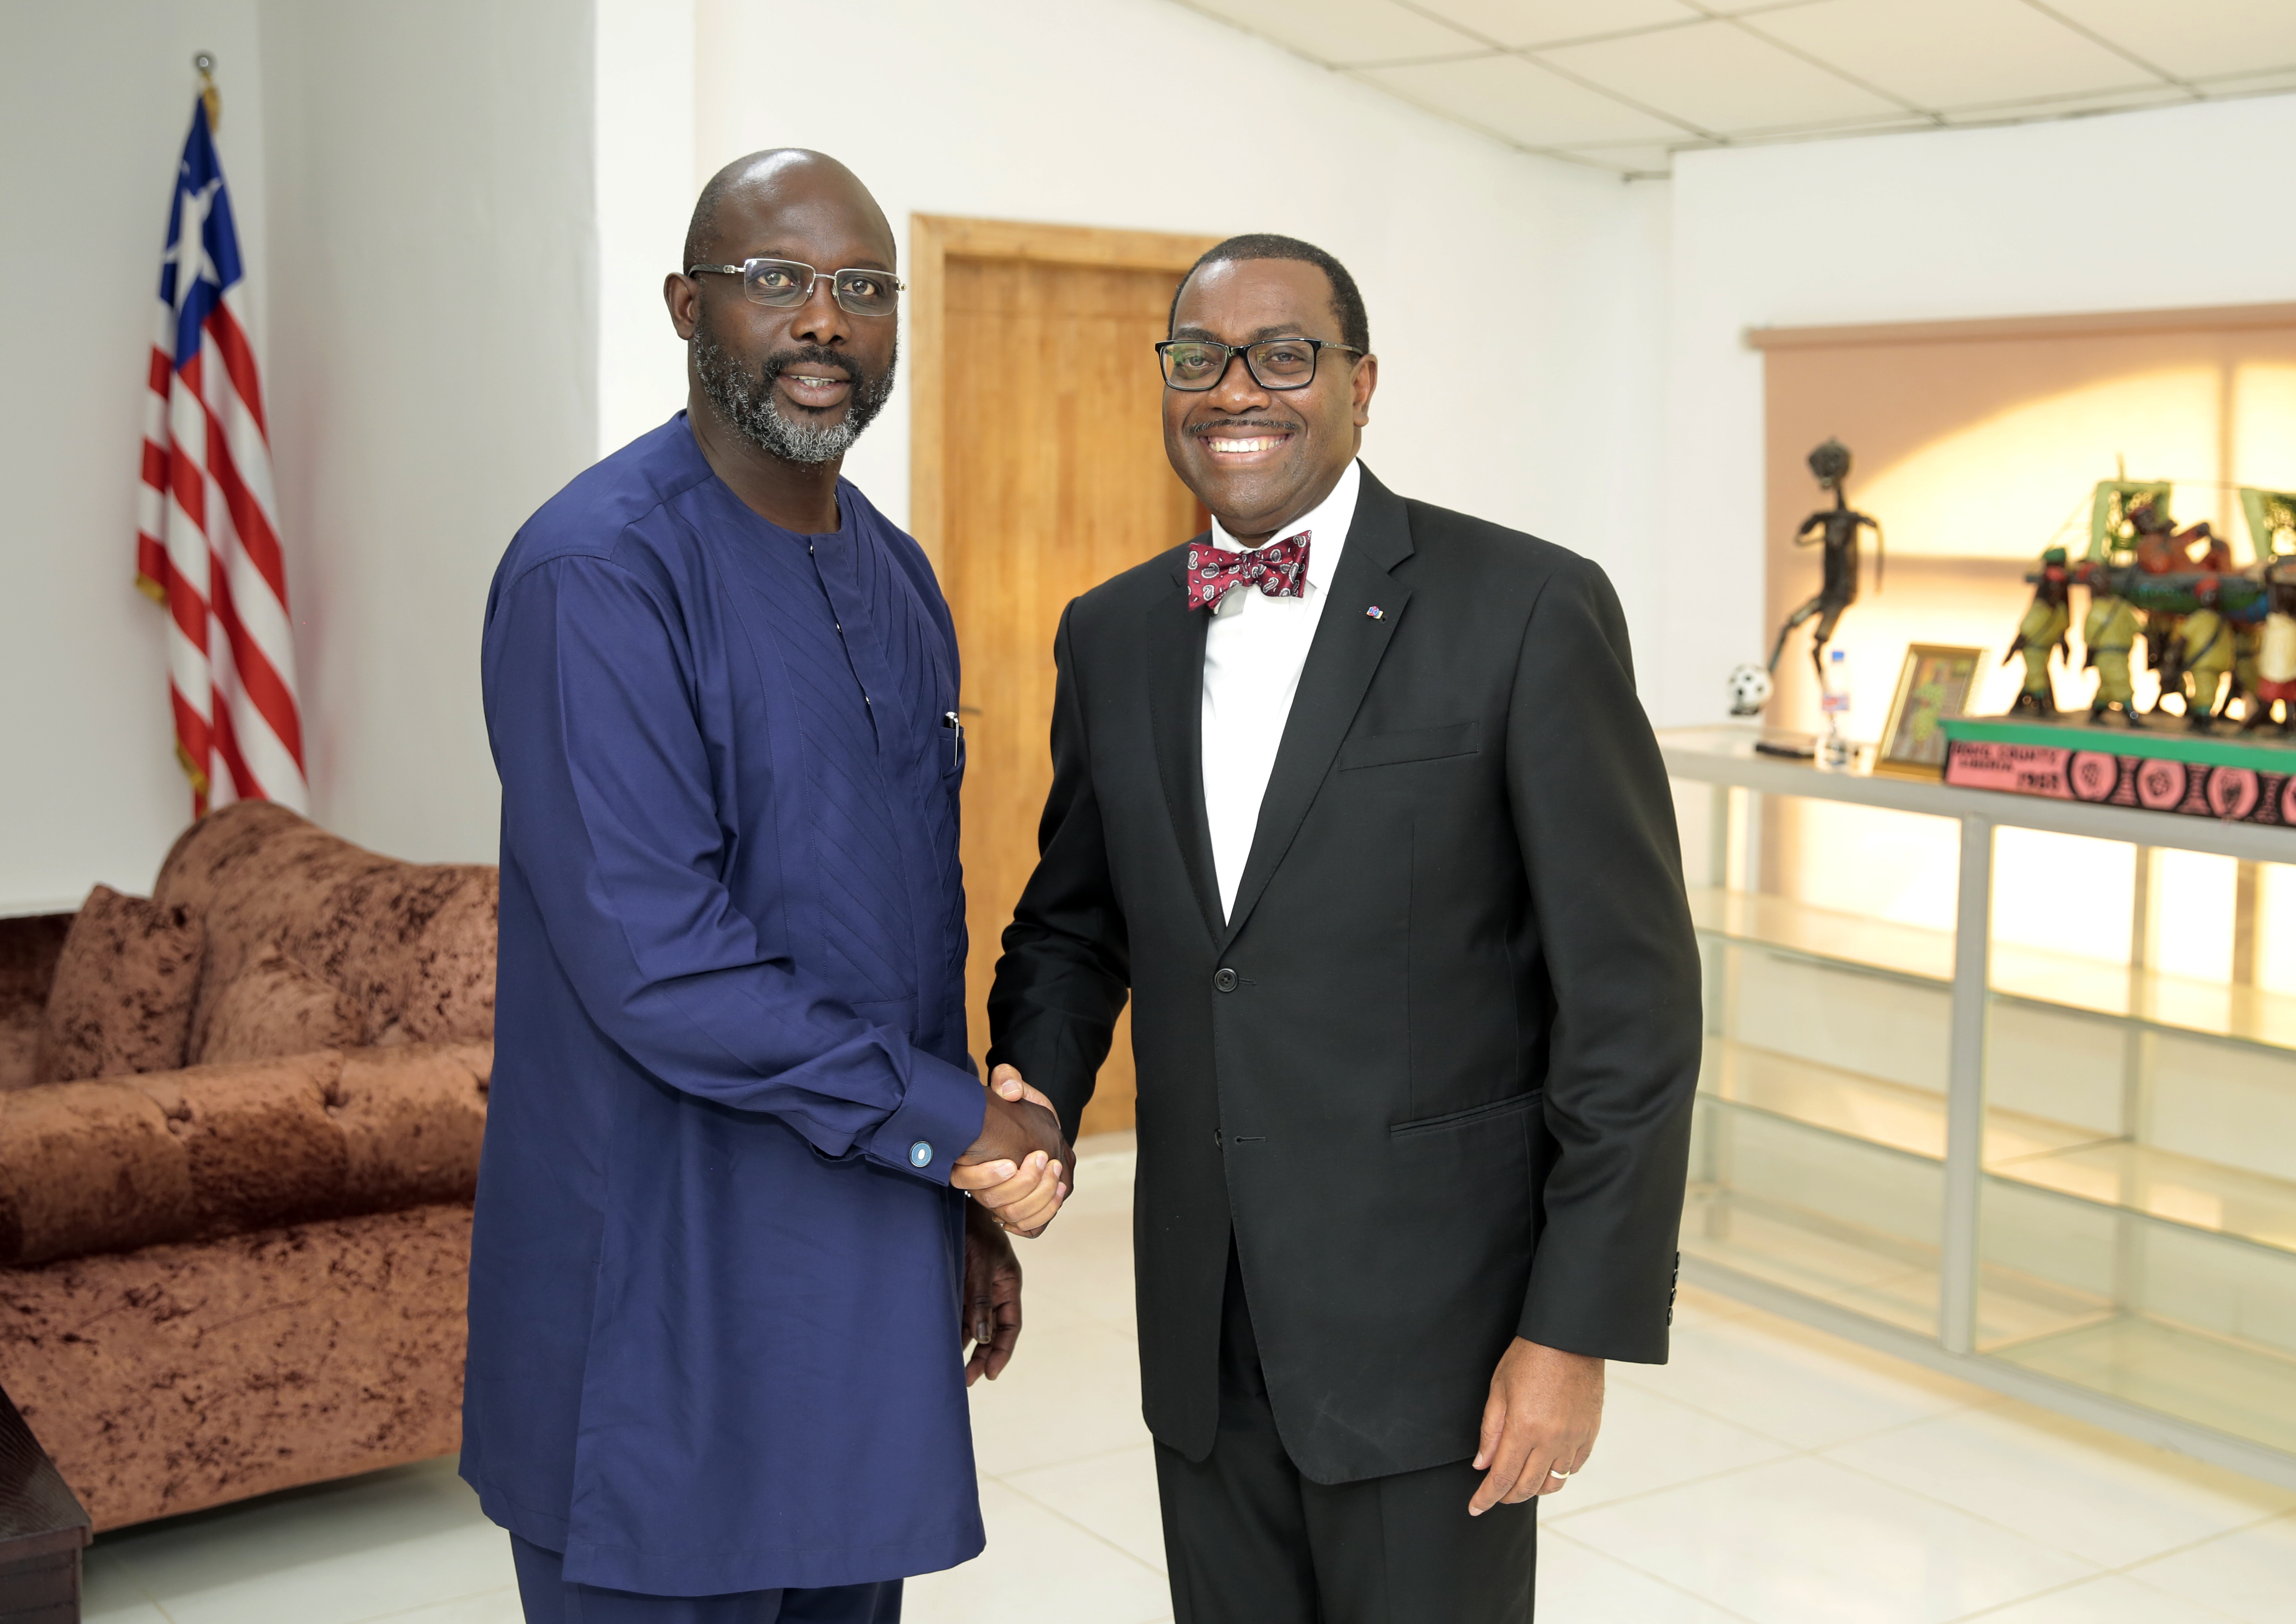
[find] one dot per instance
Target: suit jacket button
(1226, 980)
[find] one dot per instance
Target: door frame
(933, 239)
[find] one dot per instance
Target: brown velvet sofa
(234, 1233)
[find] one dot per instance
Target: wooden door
(1051, 478)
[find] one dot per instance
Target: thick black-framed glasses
(1197, 364)
(787, 283)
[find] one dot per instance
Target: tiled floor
(1768, 1475)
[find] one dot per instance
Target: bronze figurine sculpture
(1836, 529)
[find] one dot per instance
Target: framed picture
(1936, 682)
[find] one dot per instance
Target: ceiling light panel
(1540, 22)
(1340, 31)
(2193, 38)
(1954, 53)
(1718, 78)
(1525, 104)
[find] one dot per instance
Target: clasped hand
(1019, 1170)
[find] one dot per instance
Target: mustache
(812, 355)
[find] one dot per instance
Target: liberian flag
(207, 543)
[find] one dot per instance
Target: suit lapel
(1345, 652)
(1175, 713)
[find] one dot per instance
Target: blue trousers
(550, 1598)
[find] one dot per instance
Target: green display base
(2160, 768)
(2258, 751)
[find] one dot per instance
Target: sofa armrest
(120, 1162)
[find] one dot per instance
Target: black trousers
(1249, 1540)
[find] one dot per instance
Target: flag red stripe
(257, 678)
(162, 363)
(226, 745)
(152, 561)
(239, 361)
(247, 516)
(155, 466)
(185, 484)
(187, 608)
(193, 746)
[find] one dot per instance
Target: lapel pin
(1375, 613)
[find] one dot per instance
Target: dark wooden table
(42, 1530)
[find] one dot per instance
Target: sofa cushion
(121, 1000)
(30, 947)
(117, 1163)
(89, 1167)
(274, 1007)
(410, 944)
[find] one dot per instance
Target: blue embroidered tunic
(715, 1271)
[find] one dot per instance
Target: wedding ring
(1552, 1472)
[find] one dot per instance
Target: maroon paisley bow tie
(1279, 570)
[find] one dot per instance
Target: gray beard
(746, 403)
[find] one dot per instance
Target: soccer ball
(1749, 690)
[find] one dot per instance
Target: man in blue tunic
(716, 1372)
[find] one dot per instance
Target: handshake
(1019, 1171)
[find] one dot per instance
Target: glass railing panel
(1846, 1219)
(1795, 927)
(2215, 1009)
(2204, 1195)
(1873, 1110)
(2197, 1324)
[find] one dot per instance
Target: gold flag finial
(205, 62)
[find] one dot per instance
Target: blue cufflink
(919, 1154)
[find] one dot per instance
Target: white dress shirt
(1253, 651)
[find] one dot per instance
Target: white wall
(644, 85)
(2132, 211)
(433, 370)
(95, 102)
(1527, 406)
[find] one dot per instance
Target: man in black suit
(1355, 796)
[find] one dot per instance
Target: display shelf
(2230, 1387)
(2251, 1015)
(2121, 1246)
(2163, 1185)
(2062, 1157)
(1881, 1276)
(2167, 1002)
(1868, 1271)
(1869, 1110)
(1727, 755)
(1821, 935)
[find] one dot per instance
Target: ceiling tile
(1953, 53)
(1339, 31)
(1538, 22)
(2195, 39)
(1719, 78)
(1521, 101)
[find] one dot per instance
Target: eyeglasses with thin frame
(1198, 365)
(787, 283)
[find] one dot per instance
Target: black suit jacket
(1435, 1073)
